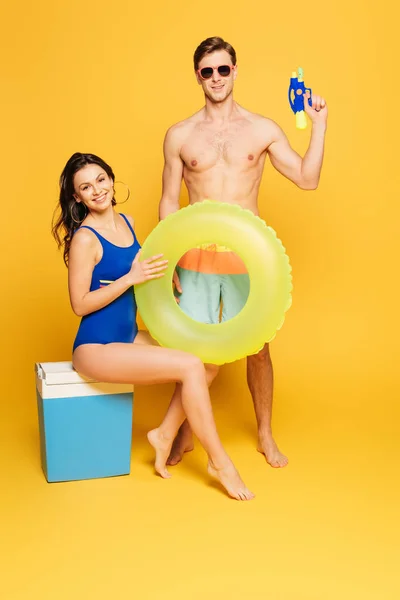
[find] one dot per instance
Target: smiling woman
(103, 258)
(73, 209)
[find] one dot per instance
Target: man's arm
(172, 174)
(304, 172)
(171, 183)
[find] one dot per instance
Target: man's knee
(261, 357)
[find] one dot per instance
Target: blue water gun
(296, 91)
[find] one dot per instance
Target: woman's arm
(85, 253)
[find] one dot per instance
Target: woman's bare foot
(162, 448)
(268, 447)
(231, 481)
(182, 443)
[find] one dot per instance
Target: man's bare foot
(231, 481)
(182, 443)
(162, 448)
(268, 447)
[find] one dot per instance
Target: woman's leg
(184, 440)
(149, 364)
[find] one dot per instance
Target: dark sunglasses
(223, 70)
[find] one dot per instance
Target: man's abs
(224, 185)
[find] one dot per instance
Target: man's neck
(220, 111)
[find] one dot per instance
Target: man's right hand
(177, 285)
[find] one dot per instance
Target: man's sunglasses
(223, 70)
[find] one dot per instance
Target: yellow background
(109, 78)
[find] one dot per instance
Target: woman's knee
(192, 366)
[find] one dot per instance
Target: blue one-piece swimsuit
(116, 322)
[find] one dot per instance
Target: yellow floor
(326, 527)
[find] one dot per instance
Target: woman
(102, 255)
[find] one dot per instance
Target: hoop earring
(129, 192)
(72, 216)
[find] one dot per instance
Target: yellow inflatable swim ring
(269, 271)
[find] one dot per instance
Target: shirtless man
(220, 153)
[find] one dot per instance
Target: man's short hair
(210, 45)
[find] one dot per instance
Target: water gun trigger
(310, 98)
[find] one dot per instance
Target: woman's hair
(65, 226)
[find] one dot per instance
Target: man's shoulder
(265, 127)
(183, 127)
(258, 119)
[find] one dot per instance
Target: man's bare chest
(236, 146)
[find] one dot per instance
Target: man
(220, 153)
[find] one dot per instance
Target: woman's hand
(145, 270)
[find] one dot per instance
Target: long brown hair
(72, 213)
